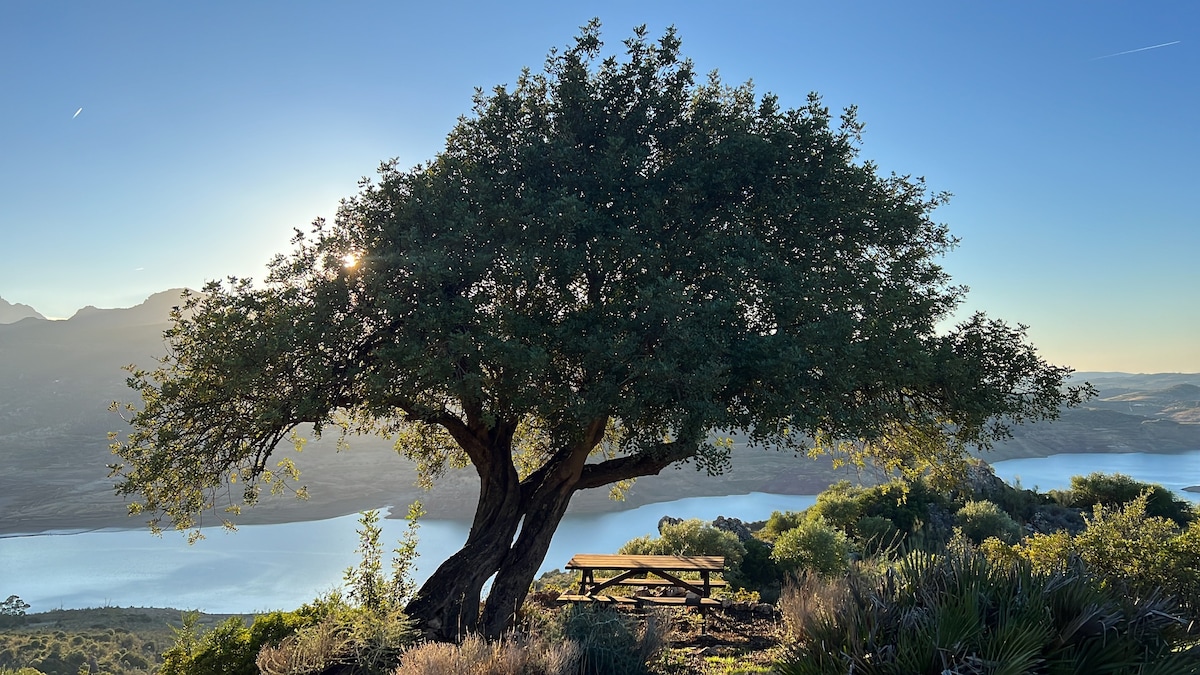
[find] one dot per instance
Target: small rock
(734, 525)
(667, 520)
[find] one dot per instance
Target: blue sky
(210, 130)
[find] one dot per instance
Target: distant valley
(57, 379)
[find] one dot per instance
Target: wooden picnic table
(637, 571)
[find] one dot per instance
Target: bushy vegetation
(961, 611)
(1127, 550)
(55, 648)
(983, 519)
(1112, 490)
(364, 633)
(813, 546)
(230, 648)
(577, 640)
(690, 537)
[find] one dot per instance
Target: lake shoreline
(440, 505)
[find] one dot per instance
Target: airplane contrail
(1140, 49)
(77, 113)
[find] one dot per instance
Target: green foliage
(1111, 490)
(1047, 553)
(556, 581)
(963, 612)
(367, 634)
(782, 521)
(876, 535)
(609, 641)
(1127, 550)
(812, 546)
(366, 584)
(690, 537)
(758, 571)
(13, 606)
(231, 647)
(982, 519)
(840, 506)
(1138, 553)
(905, 503)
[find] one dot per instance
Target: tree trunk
(447, 604)
(544, 511)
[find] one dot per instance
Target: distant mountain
(10, 313)
(1174, 397)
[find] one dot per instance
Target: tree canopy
(609, 267)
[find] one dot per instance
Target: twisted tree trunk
(447, 604)
(544, 511)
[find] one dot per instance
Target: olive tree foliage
(609, 265)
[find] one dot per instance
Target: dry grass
(476, 656)
(810, 601)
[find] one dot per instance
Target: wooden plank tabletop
(678, 563)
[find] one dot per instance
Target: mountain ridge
(14, 312)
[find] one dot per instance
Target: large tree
(608, 268)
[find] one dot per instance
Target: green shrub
(1127, 550)
(841, 506)
(366, 635)
(1111, 490)
(963, 612)
(905, 503)
(980, 520)
(556, 581)
(876, 535)
(782, 521)
(758, 571)
(690, 537)
(813, 546)
(231, 647)
(608, 641)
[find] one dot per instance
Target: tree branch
(633, 466)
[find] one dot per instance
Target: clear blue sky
(209, 130)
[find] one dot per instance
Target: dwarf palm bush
(960, 612)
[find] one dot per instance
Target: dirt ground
(730, 641)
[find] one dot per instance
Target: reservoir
(266, 567)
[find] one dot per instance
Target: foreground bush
(1116, 489)
(352, 641)
(365, 634)
(813, 546)
(232, 647)
(690, 537)
(579, 640)
(983, 519)
(1129, 550)
(476, 656)
(962, 612)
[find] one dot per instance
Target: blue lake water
(264, 567)
(1174, 472)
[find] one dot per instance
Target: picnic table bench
(636, 570)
